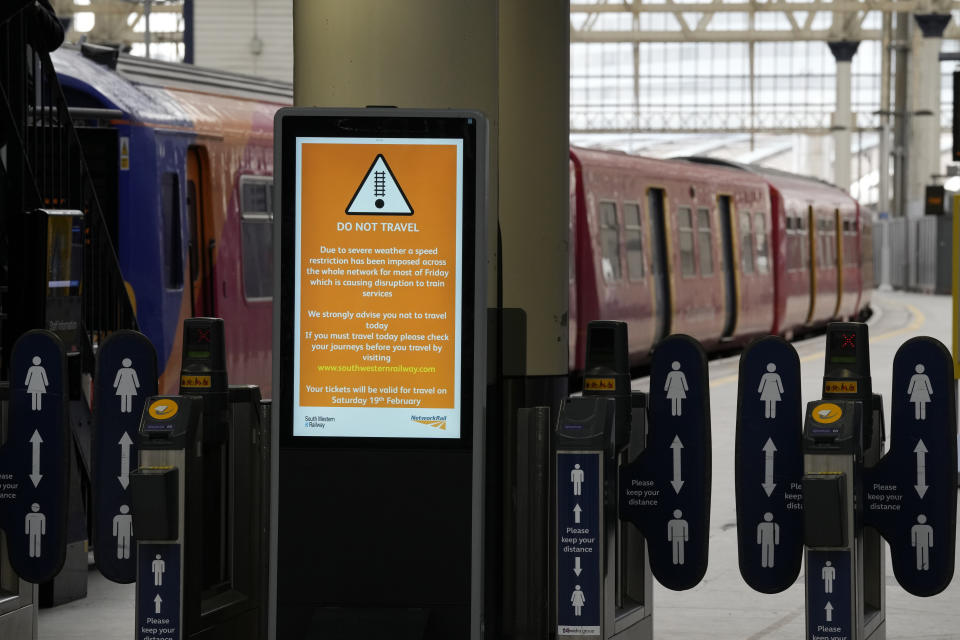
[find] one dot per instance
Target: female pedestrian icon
(676, 388)
(920, 391)
(126, 384)
(770, 389)
(36, 384)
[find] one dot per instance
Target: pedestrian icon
(577, 599)
(829, 574)
(159, 567)
(126, 384)
(35, 528)
(676, 388)
(771, 386)
(123, 532)
(678, 533)
(920, 391)
(921, 537)
(768, 537)
(576, 477)
(379, 193)
(37, 384)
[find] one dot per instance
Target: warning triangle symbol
(379, 193)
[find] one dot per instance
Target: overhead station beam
(897, 6)
(694, 22)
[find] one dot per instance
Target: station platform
(721, 607)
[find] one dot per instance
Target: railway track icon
(379, 193)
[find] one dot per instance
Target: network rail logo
(438, 422)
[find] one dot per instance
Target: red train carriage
(816, 233)
(670, 247)
(711, 249)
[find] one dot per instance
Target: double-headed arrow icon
(35, 441)
(124, 476)
(921, 486)
(768, 484)
(677, 481)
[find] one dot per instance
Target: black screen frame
(377, 123)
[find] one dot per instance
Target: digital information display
(843, 347)
(378, 287)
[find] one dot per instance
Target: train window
(705, 242)
(849, 242)
(633, 238)
(805, 244)
(793, 258)
(256, 221)
(255, 195)
(760, 229)
(685, 228)
(746, 243)
(170, 210)
(826, 232)
(609, 242)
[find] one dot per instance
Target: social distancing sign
(378, 287)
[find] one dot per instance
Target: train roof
(155, 91)
(775, 175)
(681, 168)
(796, 188)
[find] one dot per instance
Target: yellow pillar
(509, 60)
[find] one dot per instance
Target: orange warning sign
(378, 278)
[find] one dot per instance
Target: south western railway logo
(437, 422)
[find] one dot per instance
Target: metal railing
(43, 167)
(920, 253)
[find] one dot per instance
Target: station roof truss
(738, 21)
(732, 66)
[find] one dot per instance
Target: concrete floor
(722, 607)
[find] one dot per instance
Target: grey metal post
(924, 101)
(146, 24)
(843, 51)
(883, 152)
(901, 144)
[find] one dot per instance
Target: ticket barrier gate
(828, 493)
(632, 475)
(199, 501)
(34, 475)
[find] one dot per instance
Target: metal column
(843, 51)
(924, 101)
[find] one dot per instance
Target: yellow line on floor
(918, 319)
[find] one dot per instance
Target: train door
(659, 263)
(202, 244)
(810, 255)
(728, 266)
